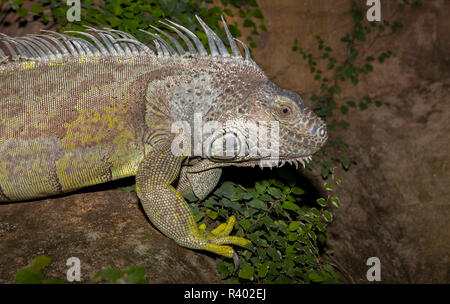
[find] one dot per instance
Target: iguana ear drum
(226, 146)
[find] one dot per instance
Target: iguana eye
(285, 110)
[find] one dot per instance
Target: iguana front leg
(198, 183)
(170, 213)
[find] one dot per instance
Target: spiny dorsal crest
(109, 42)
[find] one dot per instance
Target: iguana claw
(219, 238)
(236, 261)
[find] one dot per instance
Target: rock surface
(101, 228)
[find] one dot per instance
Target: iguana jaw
(269, 162)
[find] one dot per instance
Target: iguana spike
(111, 49)
(70, 47)
(8, 46)
(219, 43)
(201, 49)
(178, 46)
(95, 40)
(48, 45)
(88, 48)
(130, 46)
(138, 43)
(31, 50)
(79, 49)
(64, 50)
(159, 50)
(13, 53)
(234, 48)
(247, 52)
(38, 45)
(111, 38)
(189, 44)
(122, 45)
(2, 56)
(207, 29)
(166, 48)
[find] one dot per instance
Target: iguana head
(259, 123)
(270, 127)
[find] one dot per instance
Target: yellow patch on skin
(79, 169)
(81, 132)
(126, 157)
(28, 65)
(29, 176)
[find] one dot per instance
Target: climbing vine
(332, 73)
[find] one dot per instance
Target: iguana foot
(219, 237)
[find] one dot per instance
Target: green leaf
(54, 281)
(128, 189)
(21, 12)
(357, 16)
(246, 272)
(249, 23)
(28, 276)
(298, 190)
(263, 270)
(327, 215)
(322, 202)
(228, 190)
(289, 206)
(274, 254)
(345, 162)
(136, 274)
(114, 21)
(224, 269)
(359, 35)
(266, 197)
(258, 204)
(228, 12)
(261, 186)
(351, 104)
(257, 14)
(294, 225)
(110, 274)
(40, 262)
(211, 214)
(36, 9)
(245, 223)
(335, 201)
(275, 192)
(315, 277)
(277, 183)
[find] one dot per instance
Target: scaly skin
(70, 121)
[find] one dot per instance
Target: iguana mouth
(296, 161)
(281, 162)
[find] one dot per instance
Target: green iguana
(78, 111)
